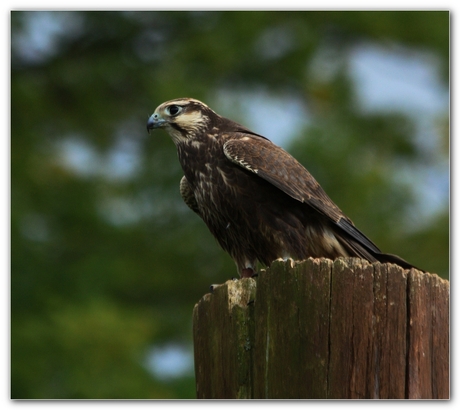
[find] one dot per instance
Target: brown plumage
(258, 201)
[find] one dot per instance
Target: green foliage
(106, 260)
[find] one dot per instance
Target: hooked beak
(155, 121)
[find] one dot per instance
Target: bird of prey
(257, 200)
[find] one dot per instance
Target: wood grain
(322, 329)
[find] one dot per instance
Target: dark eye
(173, 109)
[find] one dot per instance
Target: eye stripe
(176, 127)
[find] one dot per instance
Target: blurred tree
(106, 260)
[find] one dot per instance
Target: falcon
(257, 200)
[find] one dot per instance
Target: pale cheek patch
(192, 121)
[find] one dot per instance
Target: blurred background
(106, 261)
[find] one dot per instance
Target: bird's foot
(213, 287)
(286, 259)
(247, 272)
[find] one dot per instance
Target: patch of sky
(42, 32)
(276, 117)
(170, 361)
(389, 79)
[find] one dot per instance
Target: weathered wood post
(324, 329)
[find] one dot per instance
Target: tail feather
(390, 258)
(354, 248)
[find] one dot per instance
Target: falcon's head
(182, 118)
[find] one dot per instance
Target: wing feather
(278, 167)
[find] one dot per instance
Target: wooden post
(343, 329)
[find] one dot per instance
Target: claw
(285, 259)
